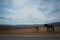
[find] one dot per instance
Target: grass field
(42, 31)
(29, 33)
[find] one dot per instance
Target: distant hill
(56, 23)
(23, 25)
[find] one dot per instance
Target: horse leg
(53, 29)
(47, 29)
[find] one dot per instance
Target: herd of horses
(49, 27)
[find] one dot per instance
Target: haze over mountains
(27, 25)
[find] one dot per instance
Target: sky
(29, 11)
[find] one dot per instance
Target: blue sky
(29, 11)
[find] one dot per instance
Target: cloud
(29, 11)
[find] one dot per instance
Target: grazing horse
(50, 27)
(36, 28)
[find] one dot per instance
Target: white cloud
(30, 11)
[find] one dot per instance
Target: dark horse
(49, 27)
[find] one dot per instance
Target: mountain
(26, 25)
(55, 23)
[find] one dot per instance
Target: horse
(36, 28)
(49, 27)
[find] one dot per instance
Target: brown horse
(36, 28)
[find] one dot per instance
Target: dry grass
(42, 31)
(29, 33)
